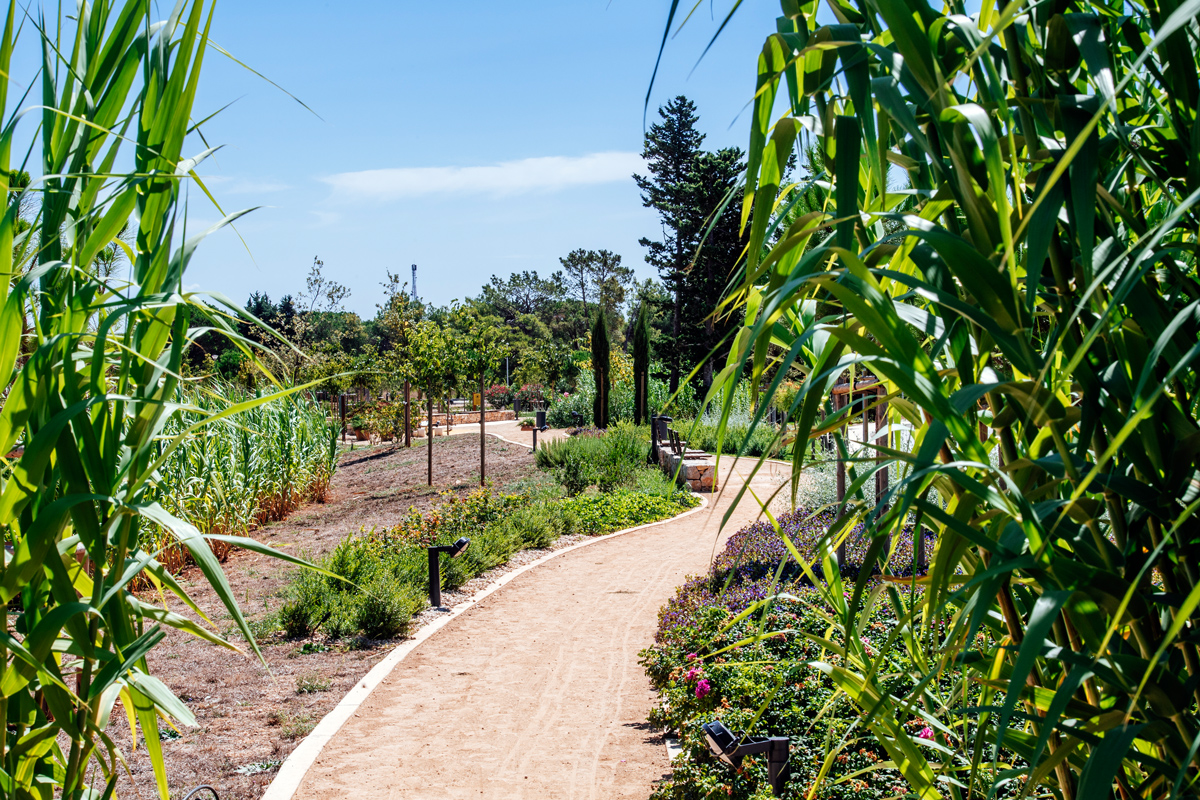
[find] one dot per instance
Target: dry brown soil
(250, 716)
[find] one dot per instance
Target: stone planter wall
(469, 417)
(699, 474)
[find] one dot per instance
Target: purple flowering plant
(766, 685)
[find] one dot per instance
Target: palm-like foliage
(90, 370)
(1040, 300)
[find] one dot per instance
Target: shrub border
(299, 761)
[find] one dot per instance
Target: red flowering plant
(498, 396)
(532, 395)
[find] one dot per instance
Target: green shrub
(577, 472)
(349, 560)
(536, 525)
(307, 605)
(606, 459)
(385, 608)
(654, 482)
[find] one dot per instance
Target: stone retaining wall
(699, 473)
(469, 417)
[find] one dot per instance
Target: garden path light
(732, 748)
(544, 428)
(435, 570)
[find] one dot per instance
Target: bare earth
(250, 717)
(536, 692)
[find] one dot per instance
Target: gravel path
(536, 692)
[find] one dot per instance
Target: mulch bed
(250, 716)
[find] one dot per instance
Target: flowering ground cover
(754, 644)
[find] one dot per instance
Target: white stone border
(297, 764)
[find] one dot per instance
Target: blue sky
(470, 138)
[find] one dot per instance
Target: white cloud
(226, 185)
(548, 173)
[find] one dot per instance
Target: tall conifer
(641, 366)
(600, 369)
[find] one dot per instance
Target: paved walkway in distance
(536, 692)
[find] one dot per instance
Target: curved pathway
(536, 691)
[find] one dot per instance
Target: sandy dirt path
(536, 692)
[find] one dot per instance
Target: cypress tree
(641, 366)
(600, 366)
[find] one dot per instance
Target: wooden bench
(679, 446)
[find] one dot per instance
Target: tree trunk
(675, 335)
(407, 418)
(429, 424)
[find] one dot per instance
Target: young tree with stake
(433, 366)
(481, 346)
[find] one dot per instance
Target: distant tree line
(545, 322)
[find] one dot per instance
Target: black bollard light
(732, 748)
(435, 568)
(535, 433)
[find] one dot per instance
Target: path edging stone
(299, 761)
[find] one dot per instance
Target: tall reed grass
(239, 473)
(91, 365)
(1012, 195)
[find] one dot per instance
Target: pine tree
(641, 366)
(719, 244)
(670, 149)
(600, 370)
(696, 256)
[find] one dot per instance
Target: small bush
(576, 473)
(306, 608)
(606, 459)
(385, 608)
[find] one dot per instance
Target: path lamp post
(732, 748)
(435, 569)
(535, 432)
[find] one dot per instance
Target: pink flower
(703, 688)
(692, 656)
(692, 674)
(926, 733)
